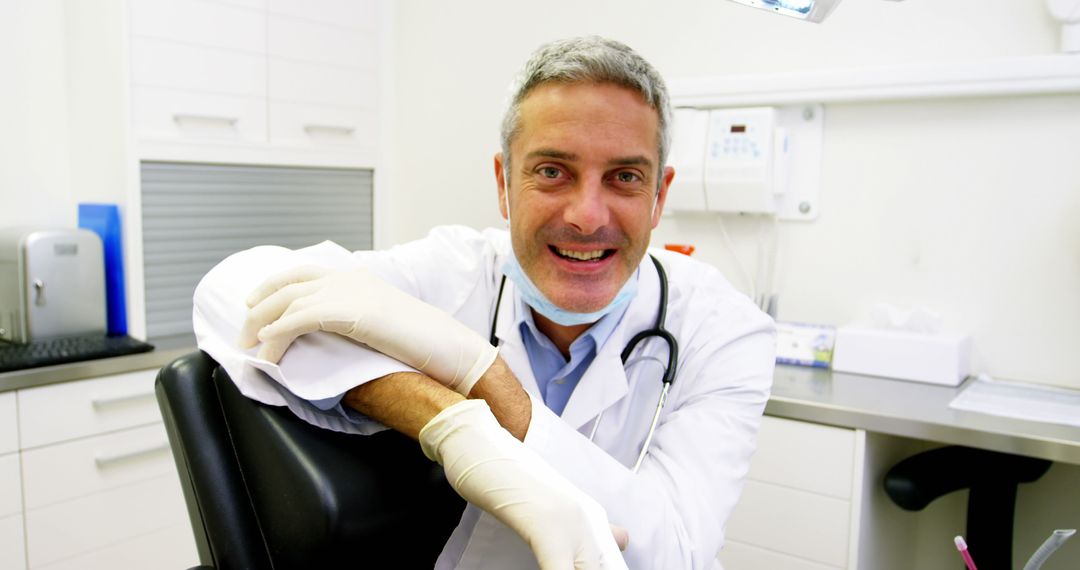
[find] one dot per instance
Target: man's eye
(549, 172)
(627, 177)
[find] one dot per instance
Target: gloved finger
(287, 277)
(278, 336)
(622, 538)
(271, 309)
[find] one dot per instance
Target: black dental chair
(266, 490)
(992, 478)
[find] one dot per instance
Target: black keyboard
(61, 350)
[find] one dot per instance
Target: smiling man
(588, 189)
(502, 354)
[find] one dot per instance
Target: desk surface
(914, 410)
(894, 407)
(165, 351)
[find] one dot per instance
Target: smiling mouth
(582, 256)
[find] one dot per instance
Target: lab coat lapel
(605, 381)
(511, 347)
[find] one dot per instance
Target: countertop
(914, 410)
(165, 351)
(894, 407)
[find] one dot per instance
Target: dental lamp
(808, 10)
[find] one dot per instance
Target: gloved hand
(359, 305)
(564, 527)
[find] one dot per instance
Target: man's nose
(588, 208)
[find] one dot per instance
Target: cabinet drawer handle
(335, 129)
(189, 117)
(107, 459)
(100, 403)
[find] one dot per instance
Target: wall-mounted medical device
(1067, 12)
(746, 158)
(754, 160)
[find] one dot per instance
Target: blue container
(104, 220)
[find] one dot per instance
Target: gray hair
(589, 59)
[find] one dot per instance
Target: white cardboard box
(936, 358)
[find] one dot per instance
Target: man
(542, 435)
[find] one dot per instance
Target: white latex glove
(564, 527)
(359, 305)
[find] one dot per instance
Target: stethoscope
(658, 330)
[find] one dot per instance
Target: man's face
(583, 184)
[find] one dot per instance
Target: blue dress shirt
(555, 376)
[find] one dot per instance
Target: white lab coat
(675, 507)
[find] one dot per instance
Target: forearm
(403, 401)
(406, 401)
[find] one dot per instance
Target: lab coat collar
(605, 381)
(511, 345)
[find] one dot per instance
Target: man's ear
(500, 180)
(661, 194)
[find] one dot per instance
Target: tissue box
(923, 357)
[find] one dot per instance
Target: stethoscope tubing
(658, 330)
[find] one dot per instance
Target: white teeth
(581, 255)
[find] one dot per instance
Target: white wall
(962, 206)
(63, 115)
(34, 182)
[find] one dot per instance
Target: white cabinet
(93, 484)
(801, 503)
(294, 81)
(9, 424)
(12, 553)
(63, 412)
(10, 485)
(198, 71)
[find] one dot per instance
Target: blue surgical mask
(541, 304)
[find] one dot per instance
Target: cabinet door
(806, 456)
(12, 553)
(739, 556)
(207, 24)
(322, 126)
(300, 82)
(62, 412)
(9, 423)
(10, 485)
(89, 524)
(303, 40)
(794, 522)
(198, 71)
(160, 63)
(169, 548)
(322, 84)
(798, 504)
(163, 113)
(65, 471)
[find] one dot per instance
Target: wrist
(509, 402)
